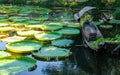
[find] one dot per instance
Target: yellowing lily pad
(3, 24)
(69, 31)
(29, 33)
(52, 52)
(24, 46)
(62, 42)
(13, 39)
(4, 53)
(13, 65)
(2, 29)
(48, 36)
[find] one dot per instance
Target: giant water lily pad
(51, 27)
(19, 24)
(2, 29)
(52, 52)
(48, 36)
(29, 33)
(13, 65)
(13, 39)
(62, 42)
(3, 24)
(69, 31)
(57, 23)
(4, 53)
(24, 46)
(36, 26)
(18, 18)
(74, 25)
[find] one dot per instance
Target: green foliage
(116, 14)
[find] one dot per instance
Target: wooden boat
(91, 33)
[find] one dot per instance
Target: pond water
(84, 61)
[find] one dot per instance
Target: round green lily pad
(12, 65)
(18, 19)
(62, 42)
(25, 46)
(69, 31)
(19, 24)
(13, 39)
(33, 22)
(51, 27)
(57, 23)
(29, 33)
(48, 36)
(4, 53)
(38, 26)
(2, 29)
(74, 25)
(51, 52)
(106, 26)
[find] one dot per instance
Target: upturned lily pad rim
(6, 54)
(20, 59)
(69, 42)
(68, 53)
(42, 39)
(18, 51)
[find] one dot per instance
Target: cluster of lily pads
(28, 31)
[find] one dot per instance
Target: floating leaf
(24, 46)
(62, 42)
(48, 36)
(29, 33)
(2, 29)
(13, 39)
(69, 31)
(4, 53)
(51, 27)
(13, 65)
(52, 52)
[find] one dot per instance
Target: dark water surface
(84, 61)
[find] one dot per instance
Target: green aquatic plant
(52, 52)
(12, 65)
(106, 26)
(13, 39)
(4, 53)
(97, 42)
(69, 31)
(62, 42)
(48, 36)
(26, 46)
(51, 27)
(29, 33)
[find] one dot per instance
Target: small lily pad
(73, 25)
(52, 52)
(41, 18)
(62, 42)
(48, 36)
(4, 53)
(2, 29)
(13, 39)
(69, 31)
(29, 33)
(12, 65)
(26, 46)
(57, 23)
